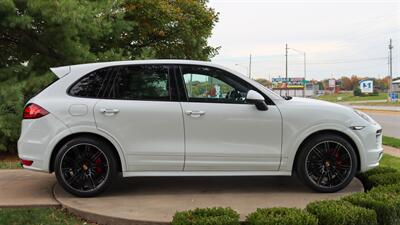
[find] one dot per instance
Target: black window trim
(171, 77)
(182, 86)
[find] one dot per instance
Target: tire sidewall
(100, 144)
(301, 163)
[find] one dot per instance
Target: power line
(335, 61)
(351, 61)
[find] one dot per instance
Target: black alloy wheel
(327, 163)
(85, 167)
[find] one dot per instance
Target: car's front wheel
(327, 163)
(85, 166)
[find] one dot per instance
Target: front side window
(207, 84)
(142, 82)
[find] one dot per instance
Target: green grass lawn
(390, 161)
(10, 165)
(37, 216)
(391, 141)
(346, 97)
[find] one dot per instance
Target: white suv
(187, 118)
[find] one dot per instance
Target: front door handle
(109, 112)
(195, 114)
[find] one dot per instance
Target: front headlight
(364, 116)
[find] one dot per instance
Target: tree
(355, 81)
(38, 34)
(346, 84)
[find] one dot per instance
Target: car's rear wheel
(327, 163)
(85, 166)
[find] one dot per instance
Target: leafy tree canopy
(38, 34)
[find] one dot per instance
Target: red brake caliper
(98, 162)
(338, 160)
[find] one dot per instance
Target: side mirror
(257, 99)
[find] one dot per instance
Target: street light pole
(250, 67)
(390, 69)
(286, 76)
(305, 74)
(305, 68)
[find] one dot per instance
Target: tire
(85, 166)
(331, 163)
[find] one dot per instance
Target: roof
(64, 70)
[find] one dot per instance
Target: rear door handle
(195, 114)
(109, 112)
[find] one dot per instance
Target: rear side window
(136, 82)
(143, 82)
(93, 85)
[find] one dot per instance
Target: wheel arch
(327, 131)
(69, 137)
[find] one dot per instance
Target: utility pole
(286, 76)
(250, 67)
(305, 73)
(390, 69)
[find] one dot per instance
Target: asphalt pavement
(390, 122)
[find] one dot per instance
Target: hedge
(379, 205)
(338, 212)
(365, 177)
(206, 216)
(281, 216)
(386, 206)
(388, 189)
(384, 179)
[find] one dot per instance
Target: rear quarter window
(92, 85)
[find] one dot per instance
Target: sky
(340, 38)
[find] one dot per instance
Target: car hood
(317, 105)
(310, 101)
(318, 111)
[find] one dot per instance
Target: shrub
(386, 206)
(365, 177)
(357, 91)
(338, 212)
(281, 216)
(207, 216)
(393, 189)
(384, 179)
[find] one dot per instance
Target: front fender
(291, 147)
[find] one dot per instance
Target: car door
(142, 114)
(222, 131)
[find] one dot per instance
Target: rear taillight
(26, 162)
(33, 111)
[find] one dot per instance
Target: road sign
(367, 86)
(394, 96)
(332, 83)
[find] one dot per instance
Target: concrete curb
(29, 206)
(376, 109)
(101, 219)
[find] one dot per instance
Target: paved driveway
(24, 188)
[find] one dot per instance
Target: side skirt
(204, 173)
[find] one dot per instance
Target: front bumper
(371, 138)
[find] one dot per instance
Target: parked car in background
(187, 118)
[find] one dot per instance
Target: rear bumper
(36, 135)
